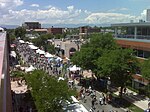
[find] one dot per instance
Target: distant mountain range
(58, 25)
(72, 25)
(9, 26)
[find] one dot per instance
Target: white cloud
(101, 18)
(70, 8)
(118, 9)
(51, 15)
(8, 4)
(34, 5)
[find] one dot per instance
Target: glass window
(140, 53)
(146, 54)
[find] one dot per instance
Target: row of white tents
(39, 51)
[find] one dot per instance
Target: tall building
(148, 15)
(5, 87)
(137, 37)
(31, 25)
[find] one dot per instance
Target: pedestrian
(104, 99)
(93, 103)
(125, 90)
(101, 100)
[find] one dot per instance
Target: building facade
(137, 37)
(84, 31)
(31, 25)
(5, 87)
(55, 31)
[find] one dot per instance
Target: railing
(5, 89)
(146, 37)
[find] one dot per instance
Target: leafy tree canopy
(20, 32)
(92, 50)
(119, 65)
(146, 69)
(47, 91)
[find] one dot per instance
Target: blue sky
(72, 11)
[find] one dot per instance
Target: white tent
(38, 50)
(60, 78)
(13, 54)
(41, 52)
(21, 41)
(33, 47)
(48, 55)
(74, 68)
(27, 42)
(30, 43)
(30, 69)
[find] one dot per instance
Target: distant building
(148, 15)
(55, 31)
(31, 25)
(84, 31)
(40, 31)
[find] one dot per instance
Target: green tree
(20, 32)
(92, 50)
(146, 69)
(47, 92)
(42, 42)
(119, 65)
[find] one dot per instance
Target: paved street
(99, 108)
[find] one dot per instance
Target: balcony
(144, 37)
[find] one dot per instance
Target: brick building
(55, 31)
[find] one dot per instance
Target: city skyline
(15, 12)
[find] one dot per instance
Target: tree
(91, 51)
(119, 65)
(42, 42)
(146, 69)
(20, 32)
(47, 91)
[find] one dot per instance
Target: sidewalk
(135, 99)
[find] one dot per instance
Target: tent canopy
(74, 68)
(30, 69)
(21, 41)
(33, 47)
(41, 52)
(48, 55)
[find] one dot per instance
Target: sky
(15, 12)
